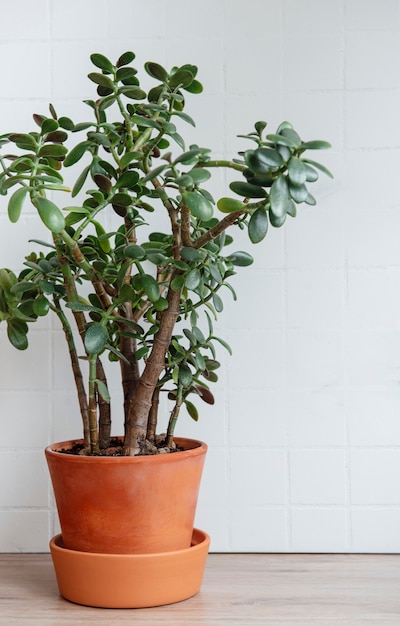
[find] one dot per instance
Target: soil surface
(116, 444)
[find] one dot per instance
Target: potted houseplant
(142, 297)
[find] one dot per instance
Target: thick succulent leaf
(240, 259)
(198, 205)
(50, 214)
(96, 337)
(279, 197)
(297, 171)
(247, 190)
(17, 334)
(258, 225)
(230, 205)
(16, 202)
(99, 60)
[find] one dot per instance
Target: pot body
(127, 505)
(130, 580)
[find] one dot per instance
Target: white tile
(129, 17)
(373, 357)
(28, 369)
(315, 358)
(214, 483)
(24, 531)
(304, 69)
(266, 290)
(366, 54)
(73, 20)
(362, 15)
(255, 18)
(24, 419)
(313, 16)
(316, 418)
(258, 476)
(364, 106)
(256, 76)
(23, 479)
(207, 17)
(317, 115)
(371, 238)
(315, 238)
(373, 417)
(359, 166)
(31, 64)
(257, 417)
(372, 299)
(372, 475)
(375, 530)
(317, 477)
(25, 20)
(318, 530)
(259, 529)
(266, 357)
(315, 299)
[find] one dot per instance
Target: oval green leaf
(50, 214)
(198, 205)
(230, 205)
(96, 338)
(15, 204)
(150, 287)
(240, 259)
(258, 225)
(279, 196)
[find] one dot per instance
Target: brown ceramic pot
(130, 580)
(127, 505)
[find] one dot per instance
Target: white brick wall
(314, 379)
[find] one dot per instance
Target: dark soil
(115, 448)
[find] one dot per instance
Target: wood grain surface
(238, 589)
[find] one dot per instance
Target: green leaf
(41, 306)
(297, 171)
(24, 141)
(49, 125)
(103, 182)
(17, 333)
(199, 175)
(177, 282)
(198, 205)
(193, 279)
(299, 193)
(315, 145)
(281, 140)
(192, 410)
(101, 79)
(99, 60)
(76, 153)
(247, 190)
(50, 214)
(194, 87)
(240, 259)
(127, 179)
(133, 251)
(181, 78)
(230, 205)
(156, 71)
(80, 181)
(96, 337)
(191, 254)
(262, 160)
(103, 390)
(128, 158)
(258, 225)
(15, 204)
(279, 196)
(150, 287)
(125, 58)
(185, 376)
(217, 302)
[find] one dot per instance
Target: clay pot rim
(192, 447)
(199, 539)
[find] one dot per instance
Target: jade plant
(143, 297)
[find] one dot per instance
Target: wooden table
(238, 589)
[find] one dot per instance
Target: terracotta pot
(130, 580)
(127, 505)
